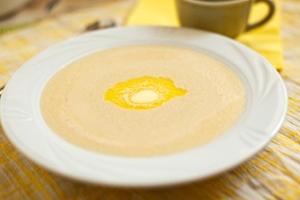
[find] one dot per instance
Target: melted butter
(145, 96)
(143, 93)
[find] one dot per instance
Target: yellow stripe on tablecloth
(266, 39)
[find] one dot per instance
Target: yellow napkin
(266, 39)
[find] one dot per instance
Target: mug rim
(214, 3)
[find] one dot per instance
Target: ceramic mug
(227, 17)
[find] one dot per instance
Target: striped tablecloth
(272, 174)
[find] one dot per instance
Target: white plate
(265, 110)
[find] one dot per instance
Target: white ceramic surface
(22, 121)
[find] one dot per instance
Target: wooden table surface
(273, 174)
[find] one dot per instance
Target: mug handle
(270, 14)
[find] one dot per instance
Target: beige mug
(227, 17)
